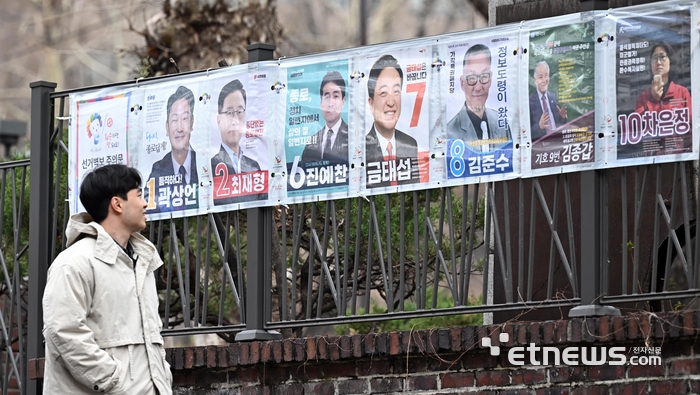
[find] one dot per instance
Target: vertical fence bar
(259, 248)
(39, 218)
(591, 247)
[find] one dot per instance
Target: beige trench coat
(101, 321)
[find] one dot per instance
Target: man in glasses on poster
(230, 164)
(476, 125)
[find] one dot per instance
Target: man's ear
(116, 204)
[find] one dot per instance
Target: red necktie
(391, 157)
(545, 108)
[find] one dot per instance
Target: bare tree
(198, 34)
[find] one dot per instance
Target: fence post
(592, 223)
(257, 305)
(39, 218)
(592, 5)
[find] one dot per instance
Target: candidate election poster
(654, 106)
(561, 96)
(480, 108)
(174, 126)
(316, 128)
(99, 137)
(237, 155)
(396, 131)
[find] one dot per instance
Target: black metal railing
(583, 241)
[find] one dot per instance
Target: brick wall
(450, 361)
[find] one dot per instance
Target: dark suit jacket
(339, 152)
(461, 127)
(164, 167)
(536, 114)
(406, 148)
(247, 165)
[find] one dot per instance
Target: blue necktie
(182, 174)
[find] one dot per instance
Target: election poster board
(174, 130)
(561, 98)
(585, 91)
(480, 109)
(101, 127)
(396, 137)
(653, 71)
(316, 128)
(237, 151)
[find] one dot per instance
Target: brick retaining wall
(449, 361)
(446, 361)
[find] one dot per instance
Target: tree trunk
(198, 34)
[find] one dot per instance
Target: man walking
(101, 321)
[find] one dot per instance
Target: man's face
(386, 103)
(542, 78)
(332, 102)
(231, 120)
(134, 210)
(179, 125)
(476, 95)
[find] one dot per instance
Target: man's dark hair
(181, 93)
(382, 63)
(102, 184)
(229, 88)
(474, 50)
(336, 78)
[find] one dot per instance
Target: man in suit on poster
(182, 159)
(331, 142)
(232, 125)
(545, 113)
(475, 124)
(385, 143)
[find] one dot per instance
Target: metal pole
(363, 22)
(591, 248)
(257, 306)
(592, 5)
(39, 218)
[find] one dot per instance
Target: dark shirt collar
(476, 121)
(129, 250)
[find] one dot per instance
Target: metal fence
(580, 241)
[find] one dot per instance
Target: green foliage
(14, 223)
(145, 68)
(444, 302)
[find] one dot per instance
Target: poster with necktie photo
(561, 98)
(480, 108)
(173, 126)
(316, 129)
(236, 155)
(396, 134)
